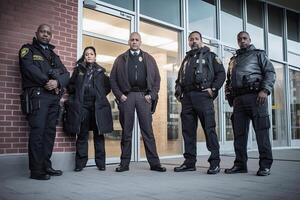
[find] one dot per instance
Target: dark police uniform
(39, 64)
(250, 71)
(200, 69)
(87, 90)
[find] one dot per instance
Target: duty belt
(193, 88)
(243, 91)
(137, 89)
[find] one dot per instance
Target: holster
(26, 105)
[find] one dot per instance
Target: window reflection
(295, 103)
(231, 20)
(278, 108)
(202, 17)
(166, 10)
(255, 23)
(293, 42)
(275, 41)
(163, 45)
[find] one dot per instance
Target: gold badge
(140, 59)
(218, 60)
(24, 52)
(37, 57)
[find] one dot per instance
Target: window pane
(128, 4)
(255, 23)
(278, 108)
(275, 32)
(105, 25)
(293, 43)
(295, 103)
(166, 10)
(202, 17)
(231, 21)
(163, 45)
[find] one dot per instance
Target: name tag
(37, 57)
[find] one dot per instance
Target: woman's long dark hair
(81, 59)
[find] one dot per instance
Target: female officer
(88, 88)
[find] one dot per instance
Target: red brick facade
(18, 22)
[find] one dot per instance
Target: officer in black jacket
(250, 79)
(43, 79)
(200, 77)
(89, 108)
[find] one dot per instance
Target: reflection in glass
(293, 42)
(275, 16)
(255, 23)
(295, 103)
(202, 17)
(278, 108)
(162, 44)
(105, 25)
(227, 109)
(128, 4)
(166, 10)
(231, 21)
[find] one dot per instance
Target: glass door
(108, 31)
(163, 44)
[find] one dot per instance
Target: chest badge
(140, 59)
(203, 61)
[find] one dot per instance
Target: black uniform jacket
(35, 67)
(213, 70)
(74, 103)
(119, 75)
(247, 66)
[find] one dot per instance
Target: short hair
(241, 32)
(41, 25)
(197, 33)
(137, 33)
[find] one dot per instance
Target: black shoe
(78, 169)
(102, 168)
(263, 172)
(158, 168)
(53, 172)
(122, 168)
(184, 168)
(38, 176)
(213, 170)
(235, 170)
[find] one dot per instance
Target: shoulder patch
(24, 51)
(218, 60)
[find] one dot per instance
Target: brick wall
(18, 22)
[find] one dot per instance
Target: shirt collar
(132, 52)
(44, 46)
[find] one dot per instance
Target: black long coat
(103, 114)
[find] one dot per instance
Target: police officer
(250, 80)
(135, 81)
(200, 77)
(43, 79)
(89, 107)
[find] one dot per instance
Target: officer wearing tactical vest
(43, 79)
(200, 77)
(250, 79)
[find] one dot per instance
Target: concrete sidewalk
(140, 183)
